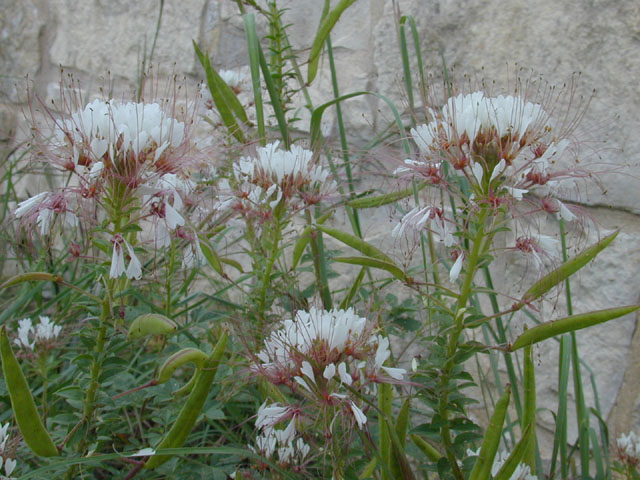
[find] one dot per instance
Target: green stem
(319, 266)
(266, 278)
(458, 327)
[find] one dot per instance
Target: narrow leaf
(326, 25)
(380, 200)
(355, 242)
(223, 97)
(375, 263)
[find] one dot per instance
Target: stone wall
(481, 38)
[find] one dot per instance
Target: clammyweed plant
(189, 321)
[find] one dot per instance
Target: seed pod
(186, 420)
(489, 448)
(569, 324)
(24, 408)
(151, 324)
(178, 359)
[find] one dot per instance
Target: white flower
(277, 173)
(420, 218)
(4, 436)
(456, 268)
(25, 327)
(29, 204)
(359, 415)
(233, 78)
(134, 270)
(344, 375)
(329, 371)
(46, 329)
(127, 127)
(629, 445)
(564, 213)
(145, 452)
(270, 415)
(9, 466)
(522, 471)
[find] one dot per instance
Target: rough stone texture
(485, 40)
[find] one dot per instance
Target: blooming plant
(214, 316)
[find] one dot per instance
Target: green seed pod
(569, 324)
(24, 408)
(187, 387)
(151, 324)
(188, 416)
(178, 359)
(482, 468)
(430, 452)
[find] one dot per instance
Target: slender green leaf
(355, 242)
(223, 97)
(326, 25)
(346, 301)
(253, 45)
(375, 263)
(380, 200)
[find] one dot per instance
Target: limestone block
(486, 40)
(102, 36)
(21, 24)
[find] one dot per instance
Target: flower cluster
(505, 146)
(281, 443)
(629, 448)
(275, 175)
(326, 356)
(131, 164)
(8, 463)
(499, 153)
(43, 333)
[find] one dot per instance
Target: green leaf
(569, 324)
(375, 263)
(380, 200)
(253, 45)
(565, 270)
(355, 242)
(224, 98)
(326, 25)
